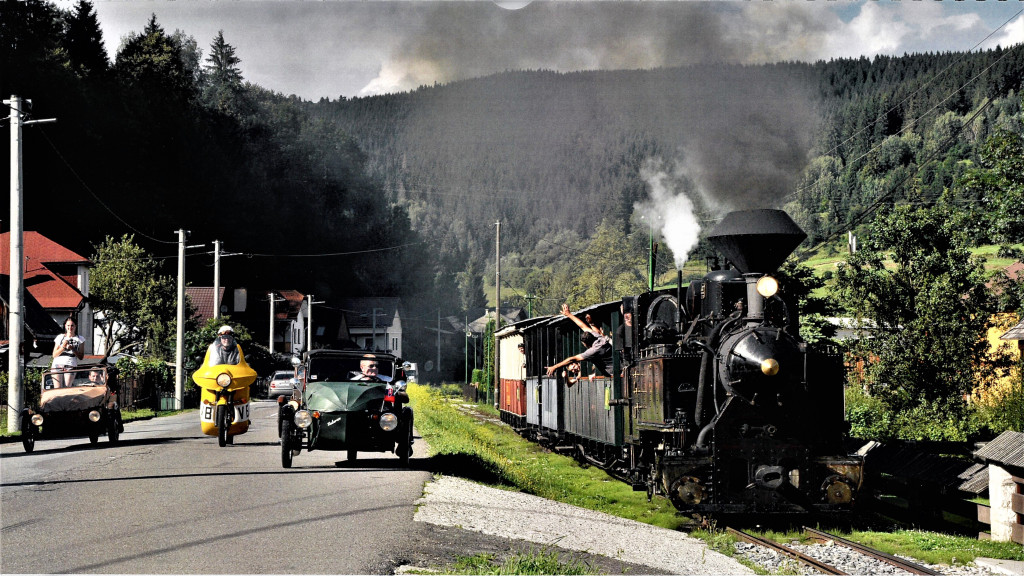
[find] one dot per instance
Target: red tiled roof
(289, 309)
(39, 248)
(1015, 270)
(202, 300)
(52, 291)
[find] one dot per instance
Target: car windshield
(350, 369)
(283, 376)
(74, 377)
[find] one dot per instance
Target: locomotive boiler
(715, 401)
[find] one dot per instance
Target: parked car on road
(351, 401)
(84, 401)
(282, 383)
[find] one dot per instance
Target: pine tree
(83, 42)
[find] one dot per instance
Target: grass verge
(534, 562)
(462, 445)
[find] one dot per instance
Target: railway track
(824, 568)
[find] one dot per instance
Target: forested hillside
(399, 194)
(167, 135)
(552, 155)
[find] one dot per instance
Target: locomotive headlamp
(770, 367)
(767, 286)
(37, 419)
(388, 421)
(94, 415)
(303, 419)
(223, 379)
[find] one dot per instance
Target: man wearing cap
(224, 350)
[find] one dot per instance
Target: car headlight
(224, 379)
(303, 419)
(388, 421)
(37, 419)
(94, 415)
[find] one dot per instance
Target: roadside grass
(532, 562)
(462, 445)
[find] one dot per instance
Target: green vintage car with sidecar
(348, 400)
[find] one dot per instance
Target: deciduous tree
(133, 303)
(920, 295)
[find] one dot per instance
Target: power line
(915, 93)
(97, 198)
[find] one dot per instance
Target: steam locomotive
(714, 401)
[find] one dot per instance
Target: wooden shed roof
(1007, 450)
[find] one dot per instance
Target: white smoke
(668, 209)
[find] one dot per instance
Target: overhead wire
(95, 196)
(915, 93)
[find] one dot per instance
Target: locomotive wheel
(286, 444)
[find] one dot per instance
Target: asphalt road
(167, 499)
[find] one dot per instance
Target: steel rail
(876, 554)
(787, 551)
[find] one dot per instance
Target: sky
(335, 48)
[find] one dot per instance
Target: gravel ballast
(450, 501)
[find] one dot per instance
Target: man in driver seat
(367, 369)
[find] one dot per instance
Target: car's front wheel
(352, 455)
(113, 429)
(404, 449)
(28, 434)
(286, 443)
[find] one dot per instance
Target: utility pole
(497, 309)
(273, 299)
(216, 279)
(16, 319)
(438, 345)
(15, 398)
(466, 344)
(309, 319)
(373, 346)
(650, 258)
(179, 349)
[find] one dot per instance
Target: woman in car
(68, 349)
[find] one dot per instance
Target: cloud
(334, 48)
(463, 40)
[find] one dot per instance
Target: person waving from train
(599, 347)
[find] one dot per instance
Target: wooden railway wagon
(592, 424)
(544, 421)
(512, 373)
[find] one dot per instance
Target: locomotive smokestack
(756, 240)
